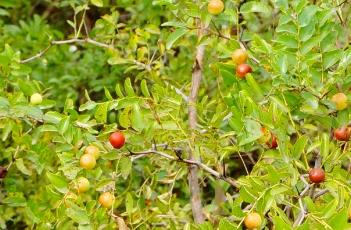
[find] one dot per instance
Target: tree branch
(204, 167)
(62, 42)
(193, 179)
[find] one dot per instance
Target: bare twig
(62, 42)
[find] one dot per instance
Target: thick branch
(193, 179)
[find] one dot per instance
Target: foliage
(127, 66)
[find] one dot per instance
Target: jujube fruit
(342, 134)
(117, 140)
(215, 7)
(83, 184)
(3, 172)
(340, 101)
(252, 220)
(36, 99)
(273, 144)
(242, 70)
(316, 175)
(265, 137)
(239, 56)
(87, 161)
(92, 149)
(106, 199)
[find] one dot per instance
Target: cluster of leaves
(127, 66)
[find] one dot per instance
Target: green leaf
(225, 224)
(101, 112)
(58, 181)
(174, 24)
(307, 15)
(20, 165)
(144, 89)
(129, 204)
(15, 200)
(125, 166)
(89, 105)
(256, 7)
(63, 125)
(128, 87)
(107, 94)
(98, 3)
(174, 36)
(137, 118)
(53, 117)
(324, 146)
(124, 118)
(299, 147)
(119, 91)
(77, 214)
(331, 58)
(280, 104)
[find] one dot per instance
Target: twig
(137, 155)
(62, 42)
(320, 193)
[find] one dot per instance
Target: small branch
(302, 214)
(62, 42)
(38, 55)
(320, 193)
(137, 155)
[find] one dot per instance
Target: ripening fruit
(316, 175)
(266, 136)
(87, 161)
(340, 100)
(273, 144)
(253, 220)
(36, 99)
(3, 172)
(117, 140)
(242, 70)
(82, 184)
(92, 149)
(215, 7)
(239, 56)
(106, 199)
(70, 197)
(342, 134)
